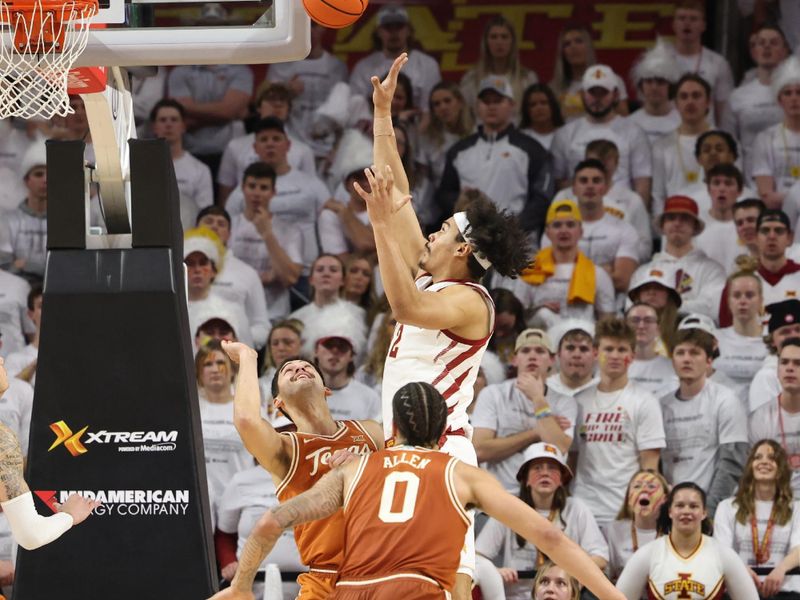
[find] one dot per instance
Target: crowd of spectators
(654, 338)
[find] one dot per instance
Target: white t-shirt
(194, 187)
(15, 410)
(355, 402)
(318, 76)
(545, 139)
(696, 428)
(720, 242)
(656, 375)
(656, 126)
(776, 152)
(740, 358)
(240, 154)
(765, 423)
(613, 428)
(752, 110)
(215, 306)
(240, 283)
(622, 202)
(247, 244)
(224, 449)
(497, 540)
(712, 67)
(17, 361)
(765, 386)
(13, 310)
(607, 239)
(620, 544)
(332, 237)
(504, 409)
(739, 536)
(554, 382)
(674, 167)
(570, 141)
(298, 199)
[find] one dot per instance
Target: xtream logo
(124, 503)
(126, 441)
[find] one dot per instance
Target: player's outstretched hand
(237, 351)
(382, 203)
(78, 507)
(3, 377)
(232, 594)
(383, 91)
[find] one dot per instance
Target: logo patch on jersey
(359, 438)
(684, 587)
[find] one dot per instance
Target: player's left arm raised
(450, 308)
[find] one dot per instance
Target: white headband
(464, 227)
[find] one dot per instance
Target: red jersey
(321, 542)
(402, 517)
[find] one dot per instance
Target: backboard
(153, 32)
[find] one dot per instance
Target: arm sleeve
(177, 84)
(727, 472)
(489, 542)
(710, 280)
(330, 233)
(650, 424)
(633, 580)
(605, 300)
(29, 528)
(659, 186)
(226, 174)
(761, 162)
(306, 162)
(641, 154)
(255, 306)
(242, 79)
(559, 151)
(629, 246)
(485, 413)
(724, 523)
(204, 187)
(590, 538)
(738, 582)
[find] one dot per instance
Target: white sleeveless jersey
(448, 362)
(698, 577)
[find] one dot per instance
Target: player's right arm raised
(479, 488)
(269, 448)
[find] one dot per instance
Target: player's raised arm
(479, 488)
(411, 239)
(322, 500)
(259, 437)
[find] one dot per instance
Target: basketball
(335, 13)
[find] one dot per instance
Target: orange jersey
(402, 516)
(320, 542)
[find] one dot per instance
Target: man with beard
(601, 121)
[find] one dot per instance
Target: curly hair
(419, 413)
(495, 233)
(745, 500)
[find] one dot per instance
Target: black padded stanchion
(115, 412)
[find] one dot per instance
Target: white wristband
(29, 528)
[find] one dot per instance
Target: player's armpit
(12, 483)
(459, 308)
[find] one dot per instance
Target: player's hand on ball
(78, 507)
(237, 350)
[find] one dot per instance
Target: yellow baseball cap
(563, 208)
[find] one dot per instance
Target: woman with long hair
(761, 524)
(554, 583)
(358, 286)
(371, 372)
(543, 478)
(224, 450)
(741, 346)
(575, 55)
(655, 289)
(636, 520)
(509, 322)
(684, 561)
(540, 114)
(499, 56)
(284, 341)
(327, 282)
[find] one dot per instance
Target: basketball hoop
(41, 40)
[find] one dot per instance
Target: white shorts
(462, 448)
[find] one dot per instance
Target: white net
(38, 47)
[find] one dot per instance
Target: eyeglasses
(645, 320)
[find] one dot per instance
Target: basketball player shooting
(405, 515)
(29, 528)
(444, 317)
